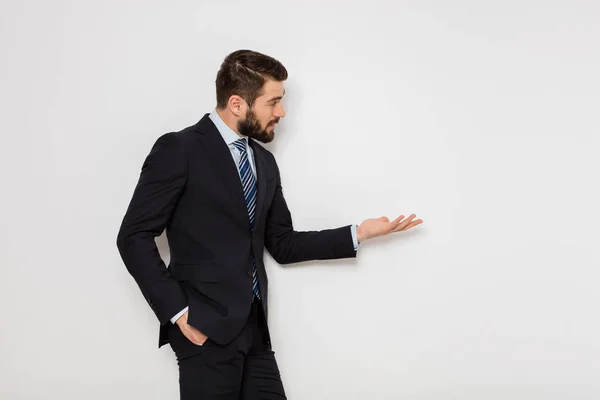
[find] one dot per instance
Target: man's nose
(280, 112)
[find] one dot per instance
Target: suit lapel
(261, 177)
(220, 156)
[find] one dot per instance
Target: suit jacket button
(249, 272)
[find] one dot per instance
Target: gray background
(481, 117)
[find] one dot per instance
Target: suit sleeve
(162, 180)
(289, 246)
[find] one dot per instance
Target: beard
(250, 126)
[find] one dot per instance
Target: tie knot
(240, 144)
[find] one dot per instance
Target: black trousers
(244, 369)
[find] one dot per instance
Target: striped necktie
(249, 185)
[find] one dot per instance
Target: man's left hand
(382, 226)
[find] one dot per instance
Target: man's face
(261, 119)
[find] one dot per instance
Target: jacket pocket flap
(209, 272)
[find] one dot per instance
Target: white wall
(480, 117)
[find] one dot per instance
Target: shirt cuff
(354, 236)
(178, 315)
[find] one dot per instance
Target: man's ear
(237, 106)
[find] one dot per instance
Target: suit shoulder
(177, 139)
(168, 144)
(187, 136)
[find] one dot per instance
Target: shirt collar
(229, 136)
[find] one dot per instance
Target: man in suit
(218, 194)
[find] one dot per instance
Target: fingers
(413, 224)
(392, 225)
(397, 221)
(408, 223)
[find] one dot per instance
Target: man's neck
(228, 120)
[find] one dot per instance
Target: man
(218, 194)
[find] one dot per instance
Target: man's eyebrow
(278, 97)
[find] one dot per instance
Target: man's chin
(267, 137)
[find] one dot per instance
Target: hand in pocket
(191, 333)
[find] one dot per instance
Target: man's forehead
(273, 89)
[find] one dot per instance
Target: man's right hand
(193, 334)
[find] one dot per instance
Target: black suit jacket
(190, 186)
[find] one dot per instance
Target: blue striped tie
(249, 184)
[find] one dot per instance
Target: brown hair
(243, 73)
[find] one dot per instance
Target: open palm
(382, 226)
